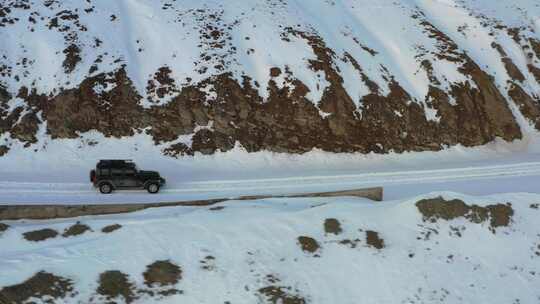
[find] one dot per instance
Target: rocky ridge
(221, 109)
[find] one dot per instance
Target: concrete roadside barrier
(52, 211)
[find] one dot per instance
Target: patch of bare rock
(162, 273)
(159, 278)
(374, 240)
(3, 227)
(332, 226)
(48, 233)
(274, 293)
(498, 215)
(308, 244)
(217, 208)
(111, 228)
(114, 284)
(287, 121)
(76, 229)
(208, 263)
(42, 285)
(40, 235)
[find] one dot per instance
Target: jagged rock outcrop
(219, 109)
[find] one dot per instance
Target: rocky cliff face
(282, 76)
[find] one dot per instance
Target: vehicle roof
(115, 163)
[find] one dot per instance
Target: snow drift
(434, 248)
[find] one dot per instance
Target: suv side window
(116, 172)
(129, 172)
(105, 172)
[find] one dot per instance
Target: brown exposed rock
(438, 208)
(514, 32)
(40, 235)
(158, 275)
(6, 124)
(333, 226)
(217, 208)
(3, 150)
(113, 284)
(3, 227)
(180, 116)
(162, 273)
(286, 121)
(114, 113)
(43, 285)
(529, 107)
(208, 142)
(350, 243)
(76, 229)
(501, 215)
(535, 71)
(535, 43)
(73, 56)
(511, 68)
(274, 293)
(373, 239)
(26, 129)
(275, 72)
(4, 96)
(111, 228)
(162, 85)
(178, 149)
(481, 113)
(487, 105)
(308, 244)
(280, 295)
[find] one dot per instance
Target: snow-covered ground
(234, 253)
(127, 35)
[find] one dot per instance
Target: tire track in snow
(77, 192)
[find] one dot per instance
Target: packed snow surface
(61, 174)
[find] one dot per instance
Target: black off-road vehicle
(111, 174)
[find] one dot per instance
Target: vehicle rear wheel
(105, 188)
(153, 188)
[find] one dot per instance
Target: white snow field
(127, 33)
(230, 254)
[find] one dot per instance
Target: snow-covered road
(476, 180)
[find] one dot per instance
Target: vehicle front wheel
(105, 188)
(153, 188)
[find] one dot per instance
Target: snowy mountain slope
(285, 76)
(339, 250)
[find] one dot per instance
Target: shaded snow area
(441, 247)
